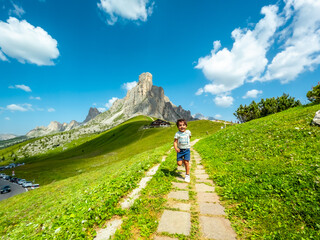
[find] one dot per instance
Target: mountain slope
(267, 171)
(82, 188)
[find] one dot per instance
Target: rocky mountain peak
(147, 99)
(93, 112)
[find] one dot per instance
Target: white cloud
(20, 107)
(252, 94)
(51, 110)
(102, 109)
(217, 116)
(35, 98)
(129, 85)
(7, 118)
(22, 87)
(26, 43)
(247, 60)
(302, 43)
(294, 35)
(111, 101)
(199, 92)
(127, 9)
(94, 104)
(18, 10)
(223, 101)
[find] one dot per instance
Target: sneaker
(187, 178)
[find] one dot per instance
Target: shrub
(265, 107)
(314, 95)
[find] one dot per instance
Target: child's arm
(175, 145)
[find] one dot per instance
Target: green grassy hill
(268, 174)
(82, 186)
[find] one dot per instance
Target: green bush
(265, 107)
(314, 95)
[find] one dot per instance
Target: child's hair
(181, 120)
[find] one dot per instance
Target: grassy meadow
(267, 172)
(81, 187)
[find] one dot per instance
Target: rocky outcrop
(316, 119)
(93, 112)
(53, 127)
(147, 99)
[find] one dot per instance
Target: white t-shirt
(183, 139)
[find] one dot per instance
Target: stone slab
(211, 208)
(201, 187)
(110, 229)
(181, 206)
(181, 168)
(205, 181)
(200, 167)
(200, 171)
(180, 185)
(180, 178)
(175, 222)
(164, 238)
(217, 228)
(207, 197)
(202, 176)
(180, 195)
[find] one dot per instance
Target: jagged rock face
(53, 127)
(93, 112)
(150, 100)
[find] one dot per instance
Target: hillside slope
(84, 185)
(267, 172)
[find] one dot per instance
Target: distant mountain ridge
(56, 126)
(7, 136)
(143, 99)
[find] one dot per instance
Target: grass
(82, 186)
(127, 139)
(267, 172)
(71, 208)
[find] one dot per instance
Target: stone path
(176, 218)
(115, 223)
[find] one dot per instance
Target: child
(182, 146)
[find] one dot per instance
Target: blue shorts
(184, 154)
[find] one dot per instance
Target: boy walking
(182, 146)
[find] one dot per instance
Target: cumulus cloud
(20, 107)
(35, 98)
(246, 60)
(51, 110)
(111, 101)
(22, 87)
(294, 35)
(223, 101)
(252, 94)
(302, 42)
(127, 9)
(26, 43)
(217, 116)
(129, 85)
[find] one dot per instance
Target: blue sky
(59, 58)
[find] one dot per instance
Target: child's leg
(186, 164)
(179, 162)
